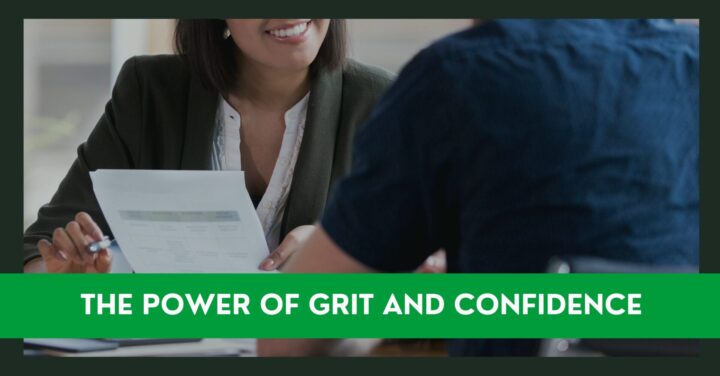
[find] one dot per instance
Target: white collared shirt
(226, 156)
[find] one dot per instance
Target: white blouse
(226, 156)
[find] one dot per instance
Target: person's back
(572, 137)
(516, 141)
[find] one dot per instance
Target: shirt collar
(297, 113)
(293, 117)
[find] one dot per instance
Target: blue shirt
(519, 140)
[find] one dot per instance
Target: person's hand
(436, 263)
(290, 244)
(67, 253)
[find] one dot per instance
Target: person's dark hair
(202, 45)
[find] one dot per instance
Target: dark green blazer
(161, 117)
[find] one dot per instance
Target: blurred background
(71, 65)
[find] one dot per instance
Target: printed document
(168, 221)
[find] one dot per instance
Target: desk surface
(214, 347)
(411, 347)
(209, 347)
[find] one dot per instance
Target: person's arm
(318, 255)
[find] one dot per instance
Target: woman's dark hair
(211, 56)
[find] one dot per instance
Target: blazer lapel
(311, 179)
(200, 127)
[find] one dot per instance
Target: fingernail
(62, 255)
(267, 264)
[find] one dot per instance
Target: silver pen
(100, 245)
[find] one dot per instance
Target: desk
(425, 348)
(209, 347)
(214, 347)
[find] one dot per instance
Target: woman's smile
(294, 33)
(288, 45)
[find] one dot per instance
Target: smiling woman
(212, 47)
(276, 98)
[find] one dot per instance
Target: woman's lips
(291, 33)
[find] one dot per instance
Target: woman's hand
(67, 253)
(289, 245)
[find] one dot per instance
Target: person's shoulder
(435, 65)
(432, 60)
(157, 64)
(366, 79)
(155, 70)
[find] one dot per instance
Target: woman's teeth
(290, 32)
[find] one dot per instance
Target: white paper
(182, 221)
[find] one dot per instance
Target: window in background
(390, 44)
(66, 67)
(69, 67)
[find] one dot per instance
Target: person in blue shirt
(516, 141)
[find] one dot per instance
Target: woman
(275, 97)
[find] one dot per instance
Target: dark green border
(11, 30)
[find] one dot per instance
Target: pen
(102, 244)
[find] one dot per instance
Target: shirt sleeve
(381, 214)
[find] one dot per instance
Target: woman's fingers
(78, 238)
(103, 261)
(291, 243)
(62, 242)
(278, 256)
(68, 249)
(89, 226)
(49, 252)
(273, 261)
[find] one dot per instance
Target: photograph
(375, 188)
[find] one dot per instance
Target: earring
(226, 33)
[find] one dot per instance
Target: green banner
(360, 305)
